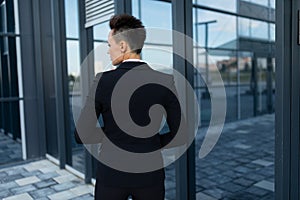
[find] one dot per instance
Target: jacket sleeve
(175, 120)
(86, 130)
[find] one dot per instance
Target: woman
(125, 41)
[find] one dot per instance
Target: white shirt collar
(133, 60)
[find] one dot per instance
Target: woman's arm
(175, 120)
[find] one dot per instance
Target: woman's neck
(131, 56)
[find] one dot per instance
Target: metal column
(86, 43)
(183, 23)
(123, 6)
(287, 100)
(61, 80)
(32, 76)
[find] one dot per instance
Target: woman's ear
(123, 46)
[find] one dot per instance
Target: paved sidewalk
(240, 167)
(42, 180)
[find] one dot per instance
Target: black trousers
(156, 192)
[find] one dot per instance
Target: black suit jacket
(99, 102)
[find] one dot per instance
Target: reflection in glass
(220, 34)
(254, 29)
(10, 96)
(75, 101)
(101, 31)
(71, 16)
(228, 5)
(153, 13)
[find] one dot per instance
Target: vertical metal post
(269, 88)
(86, 44)
(123, 6)
(32, 76)
(254, 84)
(206, 55)
(287, 104)
(183, 23)
(61, 78)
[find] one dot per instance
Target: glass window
(71, 15)
(221, 29)
(101, 31)
(253, 28)
(228, 5)
(272, 3)
(73, 59)
(259, 29)
(153, 13)
(272, 32)
(259, 2)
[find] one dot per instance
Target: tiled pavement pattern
(42, 180)
(10, 150)
(240, 167)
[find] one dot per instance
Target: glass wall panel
(153, 13)
(260, 2)
(10, 97)
(221, 29)
(73, 64)
(253, 28)
(246, 87)
(101, 31)
(233, 169)
(228, 5)
(71, 15)
(73, 61)
(157, 18)
(262, 85)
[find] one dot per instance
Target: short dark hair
(134, 31)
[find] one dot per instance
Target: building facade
(43, 81)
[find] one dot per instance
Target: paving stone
(23, 189)
(48, 175)
(82, 189)
(219, 178)
(63, 186)
(32, 173)
(263, 162)
(2, 175)
(42, 193)
(62, 195)
(257, 191)
(207, 183)
(20, 196)
(84, 197)
(45, 183)
(254, 177)
(6, 186)
(5, 193)
(265, 185)
(231, 187)
(11, 178)
(202, 196)
(242, 146)
(27, 180)
(15, 171)
(242, 169)
(215, 192)
(65, 178)
(243, 182)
